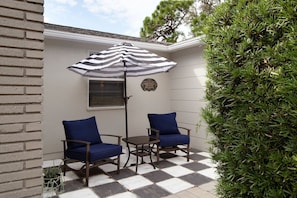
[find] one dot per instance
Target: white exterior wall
(65, 97)
(187, 93)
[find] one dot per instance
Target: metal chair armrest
(87, 144)
(186, 129)
(116, 136)
(149, 131)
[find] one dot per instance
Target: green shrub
(251, 51)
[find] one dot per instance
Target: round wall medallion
(149, 84)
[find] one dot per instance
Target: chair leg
(87, 173)
(64, 158)
(64, 167)
(188, 152)
(118, 165)
(158, 153)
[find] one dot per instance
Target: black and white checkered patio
(172, 175)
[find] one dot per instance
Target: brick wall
(21, 70)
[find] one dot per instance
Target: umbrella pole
(126, 100)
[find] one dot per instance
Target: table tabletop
(140, 140)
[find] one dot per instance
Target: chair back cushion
(85, 130)
(165, 123)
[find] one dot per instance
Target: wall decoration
(149, 84)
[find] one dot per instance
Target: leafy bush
(251, 50)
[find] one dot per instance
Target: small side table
(142, 148)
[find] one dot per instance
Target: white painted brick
(21, 51)
(19, 99)
(20, 43)
(34, 54)
(20, 137)
(13, 176)
(27, 25)
(11, 128)
(33, 108)
(33, 126)
(14, 61)
(12, 32)
(11, 90)
(11, 109)
(34, 7)
(25, 192)
(5, 80)
(11, 186)
(11, 147)
(10, 167)
(24, 118)
(11, 51)
(33, 182)
(33, 90)
(35, 35)
(34, 17)
(34, 72)
(33, 163)
(13, 13)
(11, 71)
(20, 156)
(36, 1)
(33, 145)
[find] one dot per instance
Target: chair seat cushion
(174, 140)
(97, 152)
(165, 123)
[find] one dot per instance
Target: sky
(114, 16)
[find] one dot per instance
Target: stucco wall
(187, 92)
(21, 70)
(65, 97)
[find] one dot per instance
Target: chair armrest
(149, 131)
(116, 136)
(186, 129)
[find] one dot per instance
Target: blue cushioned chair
(164, 128)
(83, 143)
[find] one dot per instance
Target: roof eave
(86, 38)
(61, 35)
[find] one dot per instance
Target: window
(106, 93)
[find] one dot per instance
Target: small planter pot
(53, 181)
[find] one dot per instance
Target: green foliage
(251, 50)
(165, 20)
(171, 14)
(52, 172)
(198, 20)
(53, 180)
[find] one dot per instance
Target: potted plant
(53, 181)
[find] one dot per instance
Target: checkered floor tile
(172, 175)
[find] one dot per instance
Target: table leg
(136, 159)
(150, 153)
(128, 155)
(142, 150)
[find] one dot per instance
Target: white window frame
(103, 107)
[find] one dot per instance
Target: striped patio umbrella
(122, 61)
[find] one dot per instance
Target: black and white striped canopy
(114, 61)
